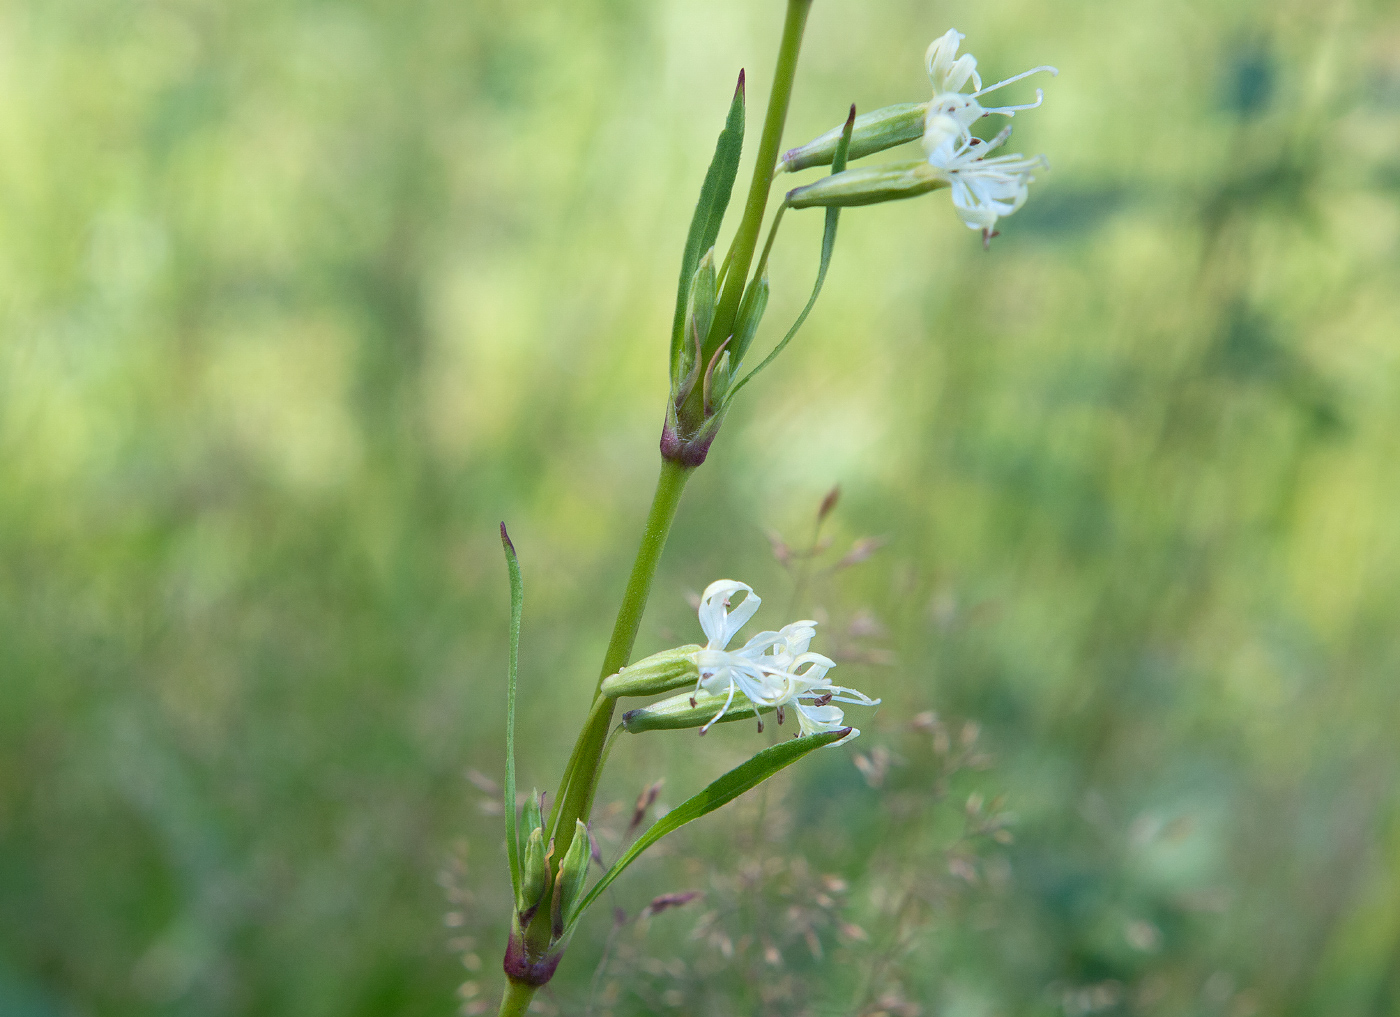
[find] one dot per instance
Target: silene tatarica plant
(774, 676)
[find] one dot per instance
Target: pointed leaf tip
(743, 777)
(851, 120)
(517, 599)
(739, 88)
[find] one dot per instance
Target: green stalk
(517, 999)
(580, 780)
(746, 237)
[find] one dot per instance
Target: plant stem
(746, 238)
(517, 999)
(580, 780)
(634, 601)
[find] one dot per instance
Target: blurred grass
(300, 299)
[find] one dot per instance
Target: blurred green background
(299, 299)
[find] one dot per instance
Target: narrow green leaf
(838, 164)
(709, 211)
(743, 777)
(517, 603)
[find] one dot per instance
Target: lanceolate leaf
(734, 783)
(517, 603)
(838, 164)
(709, 210)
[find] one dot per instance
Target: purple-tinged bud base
(520, 967)
(688, 452)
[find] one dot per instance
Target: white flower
(983, 189)
(816, 714)
(724, 671)
(773, 669)
(948, 73)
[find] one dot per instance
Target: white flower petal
(718, 622)
(947, 71)
(819, 719)
(773, 669)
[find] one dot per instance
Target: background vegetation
(298, 299)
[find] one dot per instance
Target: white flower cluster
(983, 189)
(773, 669)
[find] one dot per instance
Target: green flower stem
(629, 616)
(580, 779)
(517, 999)
(746, 238)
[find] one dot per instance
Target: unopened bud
(699, 710)
(573, 871)
(534, 875)
(751, 310)
(717, 380)
(873, 132)
(699, 313)
(703, 292)
(533, 817)
(868, 186)
(651, 676)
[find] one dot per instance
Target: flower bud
(661, 672)
(868, 185)
(534, 874)
(873, 132)
(685, 710)
(717, 382)
(573, 871)
(751, 310)
(702, 297)
(699, 315)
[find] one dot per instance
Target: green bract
(873, 132)
(685, 711)
(651, 676)
(573, 871)
(751, 310)
(868, 186)
(534, 874)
